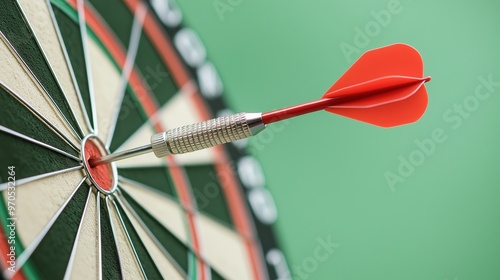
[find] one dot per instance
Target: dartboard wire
(185, 208)
(242, 215)
(83, 31)
(53, 75)
(155, 118)
(132, 182)
(42, 88)
(187, 205)
(39, 143)
(192, 252)
(39, 116)
(28, 251)
(146, 187)
(150, 106)
(126, 204)
(128, 66)
(187, 211)
(27, 180)
(125, 230)
(239, 209)
(114, 235)
(99, 249)
(69, 267)
(70, 68)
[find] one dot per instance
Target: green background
(327, 173)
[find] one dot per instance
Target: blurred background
(356, 201)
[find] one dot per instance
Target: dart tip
(93, 162)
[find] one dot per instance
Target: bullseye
(102, 177)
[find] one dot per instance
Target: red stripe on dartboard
(150, 105)
(239, 212)
(231, 188)
(4, 250)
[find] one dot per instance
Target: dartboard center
(103, 176)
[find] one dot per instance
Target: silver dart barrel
(194, 137)
(207, 134)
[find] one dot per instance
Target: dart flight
(384, 87)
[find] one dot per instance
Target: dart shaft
(297, 110)
(198, 136)
(324, 103)
(194, 137)
(121, 155)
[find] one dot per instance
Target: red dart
(384, 87)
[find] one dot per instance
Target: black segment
(155, 76)
(30, 159)
(17, 117)
(109, 253)
(145, 259)
(215, 275)
(154, 177)
(154, 73)
(50, 258)
(208, 193)
(129, 120)
(117, 16)
(216, 104)
(172, 244)
(72, 37)
(20, 35)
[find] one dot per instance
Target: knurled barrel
(201, 135)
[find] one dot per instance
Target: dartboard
(80, 79)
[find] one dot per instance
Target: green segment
(154, 74)
(17, 117)
(70, 32)
(30, 159)
(192, 273)
(208, 193)
(172, 244)
(131, 114)
(215, 275)
(117, 16)
(71, 13)
(154, 177)
(14, 27)
(109, 253)
(50, 258)
(148, 265)
(130, 119)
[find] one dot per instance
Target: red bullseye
(103, 176)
